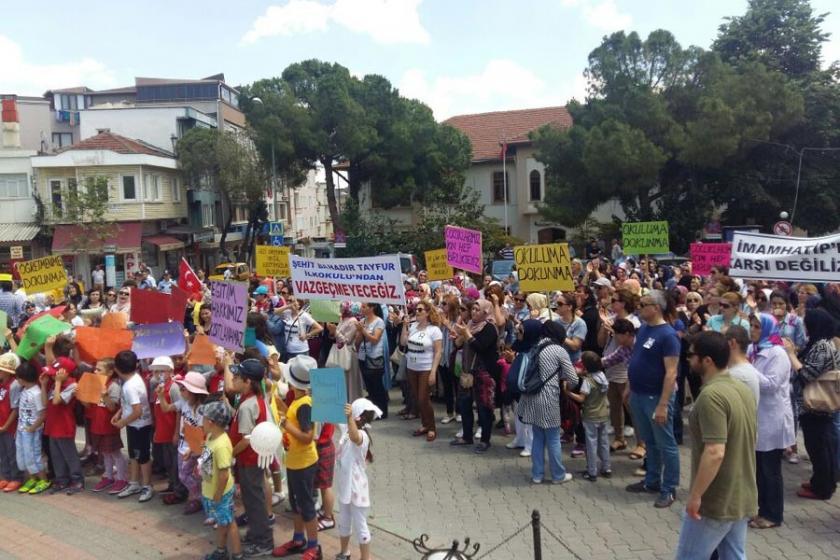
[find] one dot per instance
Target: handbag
(467, 378)
(823, 393)
(373, 364)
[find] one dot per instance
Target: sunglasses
(125, 293)
(112, 294)
(725, 305)
(693, 300)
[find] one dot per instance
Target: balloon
(265, 438)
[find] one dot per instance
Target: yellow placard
(436, 267)
(542, 268)
(43, 275)
(273, 261)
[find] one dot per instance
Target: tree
(86, 207)
(227, 163)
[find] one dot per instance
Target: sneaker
(3, 484)
(130, 490)
(12, 486)
(607, 473)
(102, 484)
(118, 487)
(217, 554)
(482, 447)
(75, 488)
(641, 471)
(578, 451)
(287, 549)
(525, 453)
(590, 477)
(641, 488)
(445, 420)
(536, 481)
(793, 459)
(277, 497)
(664, 500)
(478, 434)
(313, 553)
(255, 550)
(460, 434)
(57, 487)
(563, 480)
(458, 418)
(342, 556)
(40, 486)
(629, 431)
(512, 445)
(28, 485)
(146, 494)
(610, 431)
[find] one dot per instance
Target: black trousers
(768, 476)
(821, 442)
(374, 384)
(450, 382)
(485, 417)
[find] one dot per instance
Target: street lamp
(454, 552)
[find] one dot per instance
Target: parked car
(239, 271)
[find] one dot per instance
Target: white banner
(762, 256)
(365, 279)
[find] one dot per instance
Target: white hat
(163, 362)
(603, 282)
(9, 362)
(360, 406)
(299, 368)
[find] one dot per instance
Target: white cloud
(830, 52)
(385, 21)
(501, 85)
(28, 78)
(604, 15)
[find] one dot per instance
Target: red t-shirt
(248, 457)
(164, 421)
(100, 417)
(326, 435)
(217, 383)
(6, 404)
(60, 421)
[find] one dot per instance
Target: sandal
(410, 417)
(420, 432)
(173, 499)
(431, 436)
(326, 523)
(761, 523)
(617, 446)
(460, 441)
(638, 453)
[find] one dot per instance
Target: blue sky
(459, 56)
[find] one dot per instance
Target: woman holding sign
(424, 340)
(371, 352)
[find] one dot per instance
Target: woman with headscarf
(479, 340)
(527, 335)
(541, 410)
(774, 418)
(343, 352)
(538, 305)
(819, 356)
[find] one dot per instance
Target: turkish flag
(187, 279)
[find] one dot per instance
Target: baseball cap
(299, 368)
(250, 368)
(217, 412)
(261, 291)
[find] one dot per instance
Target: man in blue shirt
(10, 304)
(652, 373)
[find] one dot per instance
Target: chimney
(11, 126)
(102, 130)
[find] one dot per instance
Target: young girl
(105, 438)
(352, 485)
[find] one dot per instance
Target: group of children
(197, 426)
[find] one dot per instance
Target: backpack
(528, 379)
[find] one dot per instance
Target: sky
(458, 56)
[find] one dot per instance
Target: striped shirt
(543, 409)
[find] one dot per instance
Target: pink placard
(463, 248)
(706, 255)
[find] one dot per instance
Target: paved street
(419, 488)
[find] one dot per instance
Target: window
(501, 186)
(535, 182)
(69, 102)
(176, 189)
(152, 188)
(56, 197)
(62, 139)
(206, 215)
(129, 187)
(14, 186)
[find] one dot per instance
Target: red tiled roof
(487, 131)
(71, 238)
(116, 143)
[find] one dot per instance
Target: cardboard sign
(230, 309)
(785, 259)
(325, 311)
(202, 352)
(95, 343)
(329, 395)
(704, 256)
(37, 334)
(272, 261)
(194, 436)
(149, 306)
(645, 238)
(43, 275)
(437, 267)
(178, 304)
(543, 268)
(369, 279)
(115, 320)
(463, 248)
(158, 339)
(90, 387)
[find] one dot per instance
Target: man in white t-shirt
(136, 416)
(98, 277)
(739, 367)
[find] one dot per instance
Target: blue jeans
(547, 437)
(699, 539)
(28, 452)
(663, 457)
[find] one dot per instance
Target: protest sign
(177, 304)
(94, 343)
(272, 261)
(329, 395)
(704, 256)
(645, 238)
(463, 248)
(90, 387)
(116, 320)
(369, 279)
(230, 308)
(543, 268)
(324, 311)
(785, 259)
(202, 351)
(437, 267)
(149, 306)
(158, 339)
(194, 436)
(43, 275)
(250, 337)
(37, 333)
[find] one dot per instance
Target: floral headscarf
(769, 334)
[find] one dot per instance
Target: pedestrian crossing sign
(275, 229)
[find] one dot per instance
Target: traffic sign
(783, 227)
(16, 251)
(277, 240)
(275, 229)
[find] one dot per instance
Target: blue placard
(329, 395)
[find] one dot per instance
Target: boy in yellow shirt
(215, 464)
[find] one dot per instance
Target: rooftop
(487, 131)
(107, 140)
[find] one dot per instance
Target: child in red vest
(165, 437)
(10, 476)
(105, 438)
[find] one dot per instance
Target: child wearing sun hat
(10, 476)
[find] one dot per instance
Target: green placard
(37, 334)
(324, 311)
(645, 238)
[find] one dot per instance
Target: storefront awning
(164, 242)
(123, 237)
(10, 233)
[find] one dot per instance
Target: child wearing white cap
(11, 478)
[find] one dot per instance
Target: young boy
(215, 464)
(165, 439)
(593, 396)
(247, 378)
(30, 430)
(10, 476)
(301, 462)
(58, 389)
(136, 416)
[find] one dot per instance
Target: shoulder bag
(823, 393)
